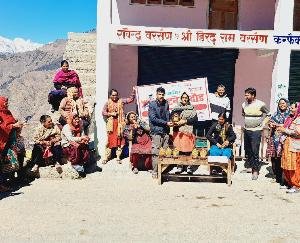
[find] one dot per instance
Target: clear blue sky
(44, 21)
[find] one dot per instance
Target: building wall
(256, 15)
(252, 70)
(163, 16)
(124, 71)
(253, 15)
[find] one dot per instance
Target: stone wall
(81, 54)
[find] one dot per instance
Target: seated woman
(63, 80)
(290, 160)
(137, 131)
(8, 139)
(73, 104)
(75, 144)
(183, 137)
(46, 145)
(221, 137)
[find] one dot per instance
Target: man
(219, 103)
(159, 117)
(253, 110)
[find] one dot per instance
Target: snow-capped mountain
(17, 45)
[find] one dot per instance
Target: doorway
(223, 14)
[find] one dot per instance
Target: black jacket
(213, 135)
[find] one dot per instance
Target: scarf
(186, 112)
(118, 107)
(70, 76)
(287, 123)
(222, 129)
(279, 117)
(6, 122)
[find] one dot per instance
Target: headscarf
(279, 116)
(6, 122)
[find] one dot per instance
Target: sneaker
(189, 171)
(179, 170)
(135, 170)
(293, 190)
(154, 175)
(247, 170)
(254, 176)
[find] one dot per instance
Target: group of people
(54, 142)
(147, 140)
(166, 128)
(68, 138)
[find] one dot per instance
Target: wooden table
(164, 162)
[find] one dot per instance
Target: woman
(183, 137)
(290, 160)
(63, 80)
(73, 104)
(75, 144)
(113, 114)
(221, 137)
(274, 145)
(47, 148)
(8, 139)
(137, 131)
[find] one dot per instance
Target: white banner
(195, 88)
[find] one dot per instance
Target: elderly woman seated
(73, 104)
(75, 144)
(64, 79)
(137, 131)
(47, 148)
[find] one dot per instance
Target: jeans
(216, 151)
(158, 141)
(252, 143)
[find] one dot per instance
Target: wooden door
(223, 14)
(297, 15)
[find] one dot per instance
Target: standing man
(253, 110)
(219, 103)
(159, 117)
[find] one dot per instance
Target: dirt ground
(117, 206)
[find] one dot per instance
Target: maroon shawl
(6, 123)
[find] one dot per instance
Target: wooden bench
(164, 162)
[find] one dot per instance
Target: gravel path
(117, 206)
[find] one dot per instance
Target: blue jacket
(159, 115)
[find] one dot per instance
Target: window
(138, 1)
(170, 2)
(188, 3)
(154, 1)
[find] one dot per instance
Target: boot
(118, 154)
(107, 154)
